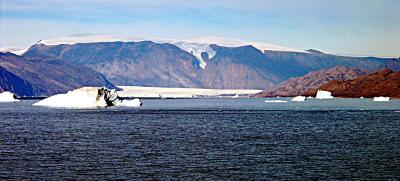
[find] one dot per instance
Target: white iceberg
(7, 97)
(130, 103)
(275, 101)
(381, 99)
(324, 95)
(299, 99)
(86, 97)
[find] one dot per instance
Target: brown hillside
(382, 83)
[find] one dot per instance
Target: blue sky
(352, 27)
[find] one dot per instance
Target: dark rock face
(303, 63)
(12, 83)
(142, 63)
(48, 76)
(392, 64)
(152, 64)
(302, 85)
(382, 83)
(240, 67)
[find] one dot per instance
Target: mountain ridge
(381, 83)
(147, 63)
(313, 80)
(48, 76)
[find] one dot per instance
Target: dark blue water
(216, 139)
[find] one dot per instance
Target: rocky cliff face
(153, 64)
(303, 63)
(12, 83)
(48, 76)
(240, 67)
(302, 85)
(129, 63)
(382, 83)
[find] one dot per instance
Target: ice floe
(130, 103)
(7, 97)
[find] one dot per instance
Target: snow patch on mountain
(236, 43)
(194, 46)
(196, 50)
(14, 49)
(88, 38)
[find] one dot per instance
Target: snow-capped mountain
(202, 63)
(228, 42)
(197, 46)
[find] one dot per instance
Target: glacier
(196, 50)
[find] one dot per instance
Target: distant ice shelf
(165, 92)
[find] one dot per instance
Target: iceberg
(8, 97)
(275, 101)
(87, 97)
(323, 95)
(381, 99)
(130, 103)
(299, 99)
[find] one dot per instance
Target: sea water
(203, 139)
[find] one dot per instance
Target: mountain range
(179, 64)
(45, 76)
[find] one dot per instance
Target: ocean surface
(206, 139)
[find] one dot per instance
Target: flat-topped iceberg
(381, 99)
(87, 97)
(275, 101)
(324, 95)
(299, 99)
(7, 97)
(130, 103)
